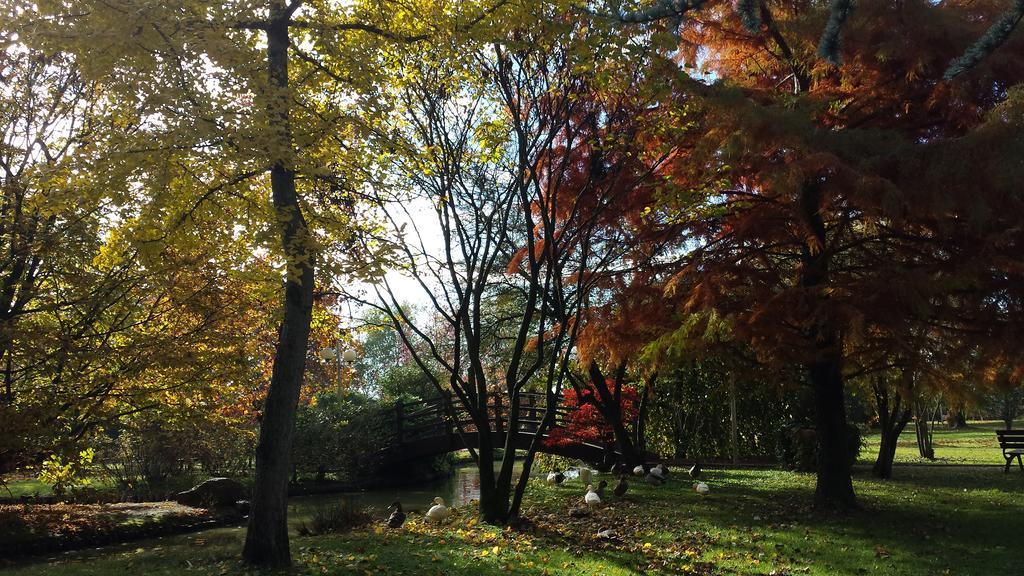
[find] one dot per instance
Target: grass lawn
(25, 487)
(975, 445)
(928, 521)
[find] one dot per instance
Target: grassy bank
(929, 520)
(974, 445)
(45, 528)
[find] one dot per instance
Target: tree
(803, 235)
(497, 148)
(95, 330)
(218, 107)
(602, 412)
(1003, 378)
(894, 406)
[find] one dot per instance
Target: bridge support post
(498, 424)
(399, 422)
(448, 414)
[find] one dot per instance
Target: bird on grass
(658, 472)
(653, 479)
(579, 512)
(397, 517)
(621, 487)
(438, 512)
(600, 489)
(585, 475)
(661, 470)
(701, 488)
(591, 499)
(695, 470)
(639, 470)
(556, 478)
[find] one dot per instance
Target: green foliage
(829, 45)
(341, 517)
(690, 412)
(65, 475)
(147, 458)
(544, 462)
(996, 35)
(405, 383)
(797, 447)
(343, 433)
(749, 15)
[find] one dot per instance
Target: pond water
(457, 490)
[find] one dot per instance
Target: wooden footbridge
(440, 425)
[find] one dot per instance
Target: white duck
(653, 479)
(701, 488)
(555, 477)
(585, 475)
(591, 499)
(438, 512)
(639, 470)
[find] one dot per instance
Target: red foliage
(585, 422)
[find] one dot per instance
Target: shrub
(340, 517)
(66, 475)
(344, 433)
(797, 447)
(146, 455)
(689, 414)
(552, 463)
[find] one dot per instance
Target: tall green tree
(249, 118)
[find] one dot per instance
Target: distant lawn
(975, 445)
(25, 487)
(927, 521)
(35, 487)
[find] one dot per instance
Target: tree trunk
(924, 435)
(266, 542)
(493, 506)
(835, 486)
(1009, 406)
(893, 420)
(611, 410)
(641, 417)
(551, 404)
(957, 418)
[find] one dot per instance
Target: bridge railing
(440, 416)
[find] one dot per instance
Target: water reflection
(457, 490)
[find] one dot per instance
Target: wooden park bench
(1012, 443)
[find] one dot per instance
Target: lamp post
(348, 356)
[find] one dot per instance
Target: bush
(66, 475)
(137, 458)
(689, 415)
(154, 453)
(552, 463)
(345, 433)
(797, 447)
(340, 517)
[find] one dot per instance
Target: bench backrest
(1010, 439)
